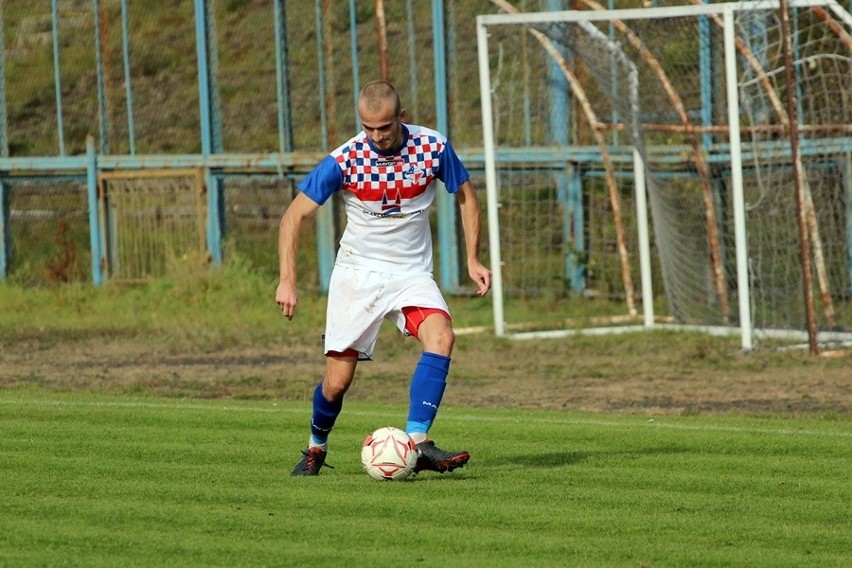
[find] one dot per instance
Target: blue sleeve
(451, 171)
(322, 181)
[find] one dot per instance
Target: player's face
(384, 127)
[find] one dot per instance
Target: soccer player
(386, 177)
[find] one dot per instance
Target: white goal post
(586, 113)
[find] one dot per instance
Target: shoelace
(309, 463)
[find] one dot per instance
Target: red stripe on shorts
(414, 316)
(346, 353)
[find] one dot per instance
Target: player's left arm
(469, 208)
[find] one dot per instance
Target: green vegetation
(98, 481)
(110, 455)
(200, 313)
(156, 423)
(231, 300)
(164, 80)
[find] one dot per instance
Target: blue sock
(323, 418)
(427, 389)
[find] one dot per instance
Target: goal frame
(726, 11)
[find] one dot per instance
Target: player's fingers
(484, 283)
(482, 277)
(287, 310)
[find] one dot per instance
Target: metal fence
(250, 92)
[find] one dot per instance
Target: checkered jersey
(387, 197)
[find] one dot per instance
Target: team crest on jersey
(391, 206)
(412, 174)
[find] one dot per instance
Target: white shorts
(358, 301)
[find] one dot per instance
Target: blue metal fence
(248, 88)
(83, 158)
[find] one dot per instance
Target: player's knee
(443, 341)
(333, 388)
(450, 339)
(436, 335)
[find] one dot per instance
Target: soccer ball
(389, 454)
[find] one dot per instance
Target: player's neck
(403, 138)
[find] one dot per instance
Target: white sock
(419, 437)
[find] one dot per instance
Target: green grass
(96, 473)
(94, 481)
(220, 305)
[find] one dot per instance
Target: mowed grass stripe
(93, 481)
(148, 482)
(734, 423)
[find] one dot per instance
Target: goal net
(587, 112)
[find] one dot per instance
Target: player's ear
(403, 116)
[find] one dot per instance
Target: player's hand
(285, 297)
(482, 277)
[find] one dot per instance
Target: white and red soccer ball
(389, 454)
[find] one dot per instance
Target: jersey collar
(395, 150)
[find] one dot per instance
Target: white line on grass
(641, 421)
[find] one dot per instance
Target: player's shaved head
(375, 96)
(381, 115)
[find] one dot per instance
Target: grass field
(91, 480)
(156, 425)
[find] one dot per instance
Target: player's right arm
(300, 209)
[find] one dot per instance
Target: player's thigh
(413, 296)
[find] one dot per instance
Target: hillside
(164, 82)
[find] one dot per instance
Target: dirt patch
(641, 375)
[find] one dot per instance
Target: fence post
(128, 89)
(57, 79)
(846, 178)
(4, 125)
(282, 79)
(101, 75)
(447, 238)
(211, 124)
(569, 182)
(353, 50)
(94, 218)
(5, 232)
(325, 222)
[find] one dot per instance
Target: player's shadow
(546, 460)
